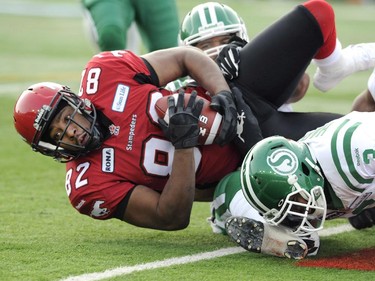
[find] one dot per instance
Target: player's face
(213, 42)
(70, 129)
(299, 209)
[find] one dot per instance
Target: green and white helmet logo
(283, 161)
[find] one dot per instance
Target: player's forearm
(205, 71)
(364, 102)
(177, 197)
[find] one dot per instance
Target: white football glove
(229, 57)
(228, 61)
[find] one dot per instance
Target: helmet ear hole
(276, 146)
(305, 169)
(257, 180)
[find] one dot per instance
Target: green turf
(43, 238)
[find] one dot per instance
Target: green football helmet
(209, 20)
(281, 179)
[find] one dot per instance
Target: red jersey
(121, 86)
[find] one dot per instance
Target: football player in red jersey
(121, 164)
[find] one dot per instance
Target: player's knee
(322, 11)
(318, 5)
(111, 38)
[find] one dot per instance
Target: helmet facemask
(59, 150)
(303, 216)
(218, 30)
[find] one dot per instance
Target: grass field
(43, 238)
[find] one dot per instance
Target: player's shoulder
(359, 115)
(120, 56)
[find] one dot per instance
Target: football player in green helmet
(275, 203)
(297, 185)
(282, 181)
(232, 214)
(220, 32)
(209, 26)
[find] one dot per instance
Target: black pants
(271, 66)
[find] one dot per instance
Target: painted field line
(157, 264)
(336, 230)
(182, 260)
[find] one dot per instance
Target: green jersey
(230, 201)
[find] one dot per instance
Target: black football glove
(182, 129)
(223, 103)
(364, 219)
(313, 243)
(229, 58)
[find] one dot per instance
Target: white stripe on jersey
(345, 149)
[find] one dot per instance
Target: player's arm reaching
(183, 61)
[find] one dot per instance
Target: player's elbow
(174, 218)
(177, 223)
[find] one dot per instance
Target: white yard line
(182, 260)
(154, 265)
(336, 230)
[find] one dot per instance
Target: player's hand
(223, 103)
(295, 249)
(313, 243)
(229, 58)
(364, 219)
(182, 129)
